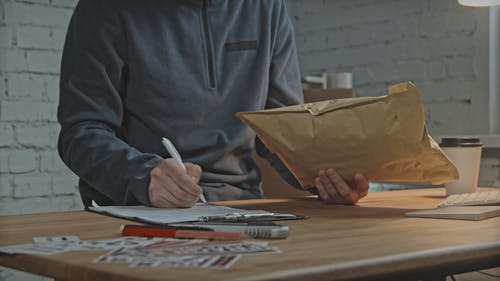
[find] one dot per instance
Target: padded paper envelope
(382, 137)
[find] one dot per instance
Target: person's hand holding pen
(174, 183)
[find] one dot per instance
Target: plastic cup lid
(462, 142)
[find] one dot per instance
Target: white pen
(173, 152)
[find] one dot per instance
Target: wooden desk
(372, 240)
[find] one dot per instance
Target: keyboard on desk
(481, 198)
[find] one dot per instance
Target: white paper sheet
(164, 216)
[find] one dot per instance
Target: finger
(321, 189)
(164, 192)
(194, 171)
(155, 189)
(163, 201)
(176, 195)
(361, 184)
(342, 188)
(188, 185)
(171, 194)
(158, 198)
(180, 178)
(327, 183)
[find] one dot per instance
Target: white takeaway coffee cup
(465, 154)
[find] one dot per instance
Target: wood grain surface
(372, 240)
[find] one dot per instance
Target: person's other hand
(333, 188)
(171, 187)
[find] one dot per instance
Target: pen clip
(227, 217)
(238, 217)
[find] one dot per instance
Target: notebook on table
(466, 206)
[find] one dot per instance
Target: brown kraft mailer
(384, 138)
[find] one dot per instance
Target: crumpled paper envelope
(384, 138)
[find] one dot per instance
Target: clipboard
(199, 212)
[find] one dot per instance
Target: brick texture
(32, 177)
(431, 43)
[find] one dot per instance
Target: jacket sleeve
(284, 84)
(92, 85)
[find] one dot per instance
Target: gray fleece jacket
(136, 71)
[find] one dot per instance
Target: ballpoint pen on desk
(173, 152)
(179, 232)
(255, 229)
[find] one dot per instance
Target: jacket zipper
(208, 46)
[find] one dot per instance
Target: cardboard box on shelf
(273, 185)
(317, 94)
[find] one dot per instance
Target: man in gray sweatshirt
(136, 71)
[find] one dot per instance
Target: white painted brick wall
(22, 161)
(30, 37)
(389, 41)
(26, 85)
(51, 163)
(32, 177)
(4, 161)
(12, 60)
(5, 36)
(6, 186)
(7, 135)
(32, 186)
(52, 88)
(29, 13)
(36, 135)
(64, 184)
(43, 61)
(27, 111)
